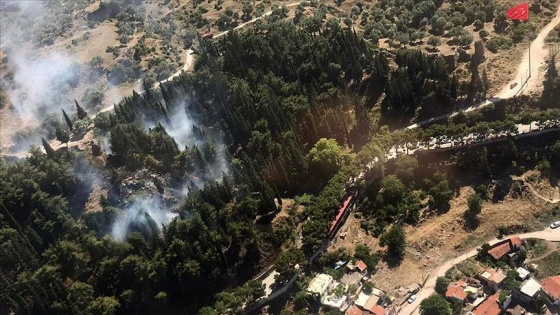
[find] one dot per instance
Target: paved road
(429, 287)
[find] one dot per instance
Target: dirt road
(190, 57)
(429, 286)
(538, 57)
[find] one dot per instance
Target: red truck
(208, 36)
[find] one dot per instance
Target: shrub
(499, 42)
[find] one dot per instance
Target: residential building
(362, 300)
(528, 290)
(360, 266)
(320, 285)
(516, 310)
(335, 301)
(490, 306)
(551, 287)
(492, 278)
(354, 310)
(463, 290)
(508, 247)
(377, 310)
(455, 291)
(523, 273)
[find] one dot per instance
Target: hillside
(184, 197)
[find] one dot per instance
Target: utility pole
(529, 60)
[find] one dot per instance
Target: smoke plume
(143, 214)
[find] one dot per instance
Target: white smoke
(41, 84)
(142, 213)
(38, 81)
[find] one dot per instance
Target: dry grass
(439, 238)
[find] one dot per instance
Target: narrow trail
(536, 194)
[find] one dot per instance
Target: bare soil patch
(439, 238)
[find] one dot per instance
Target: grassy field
(549, 265)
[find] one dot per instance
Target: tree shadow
(502, 189)
(470, 222)
(392, 261)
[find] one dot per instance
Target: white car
(555, 224)
(412, 298)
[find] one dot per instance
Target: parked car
(555, 224)
(513, 85)
(412, 298)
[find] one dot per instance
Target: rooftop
(523, 273)
(361, 265)
(320, 283)
(335, 301)
(490, 306)
(455, 291)
(339, 214)
(371, 302)
(495, 276)
(530, 287)
(377, 310)
(504, 247)
(354, 310)
(551, 286)
(376, 291)
(362, 300)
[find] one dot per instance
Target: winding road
(429, 286)
(538, 56)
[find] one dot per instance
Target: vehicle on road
(208, 35)
(555, 224)
(412, 298)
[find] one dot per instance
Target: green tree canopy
(435, 305)
(326, 157)
(441, 285)
(395, 240)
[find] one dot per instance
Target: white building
(320, 285)
(529, 290)
(523, 273)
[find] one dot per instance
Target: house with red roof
(490, 306)
(455, 291)
(551, 287)
(359, 266)
(354, 310)
(508, 247)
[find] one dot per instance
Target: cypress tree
(68, 121)
(80, 111)
(484, 167)
(48, 148)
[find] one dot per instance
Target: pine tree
(68, 121)
(48, 148)
(80, 111)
